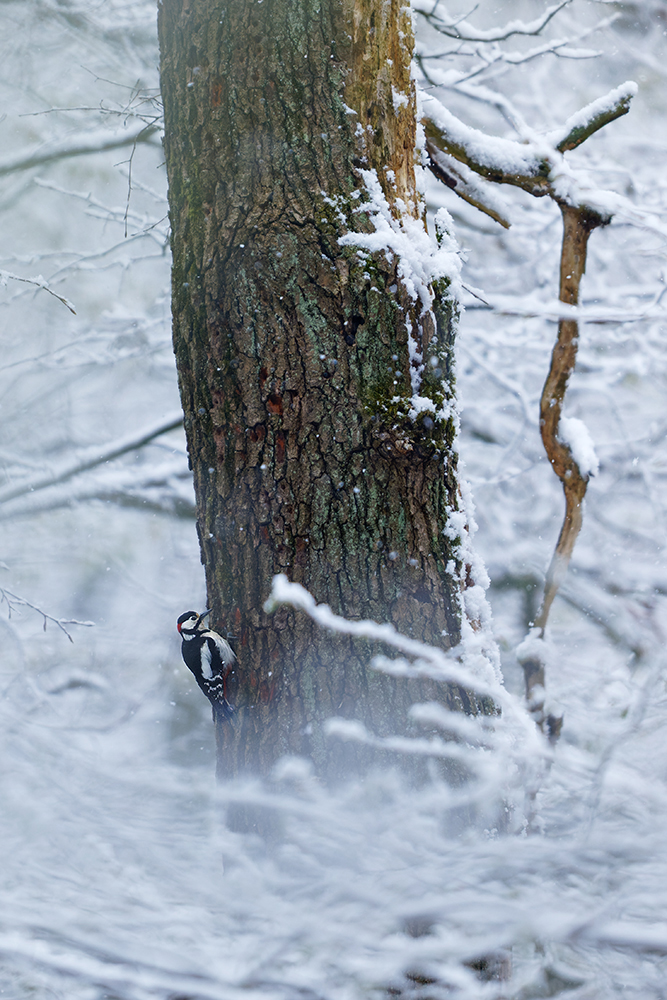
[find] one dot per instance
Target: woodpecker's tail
(222, 710)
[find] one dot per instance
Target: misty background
(119, 875)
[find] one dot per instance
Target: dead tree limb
(578, 224)
(534, 167)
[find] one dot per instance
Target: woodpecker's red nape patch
(178, 626)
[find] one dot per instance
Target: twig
(452, 30)
(39, 282)
(129, 189)
(13, 601)
(99, 143)
(129, 180)
(125, 113)
(100, 455)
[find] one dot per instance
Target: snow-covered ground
(120, 876)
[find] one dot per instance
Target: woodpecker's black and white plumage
(209, 657)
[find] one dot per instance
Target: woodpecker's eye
(187, 621)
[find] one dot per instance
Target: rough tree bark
(294, 357)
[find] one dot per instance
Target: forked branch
(461, 30)
(13, 601)
(531, 165)
(536, 166)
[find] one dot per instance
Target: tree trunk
(298, 358)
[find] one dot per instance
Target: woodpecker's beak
(202, 616)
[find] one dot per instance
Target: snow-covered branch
(537, 164)
(464, 31)
(466, 184)
(593, 117)
(38, 282)
(503, 161)
(450, 666)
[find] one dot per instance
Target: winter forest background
(119, 877)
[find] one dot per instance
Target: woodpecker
(209, 657)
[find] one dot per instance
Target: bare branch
(93, 458)
(129, 189)
(171, 505)
(98, 142)
(499, 62)
(145, 225)
(165, 488)
(126, 113)
(13, 601)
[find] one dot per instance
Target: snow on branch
(537, 164)
(462, 180)
(575, 435)
(434, 662)
(93, 457)
(122, 974)
(625, 935)
(429, 661)
(39, 282)
(593, 117)
(465, 32)
(503, 161)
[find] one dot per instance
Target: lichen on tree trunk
(292, 352)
